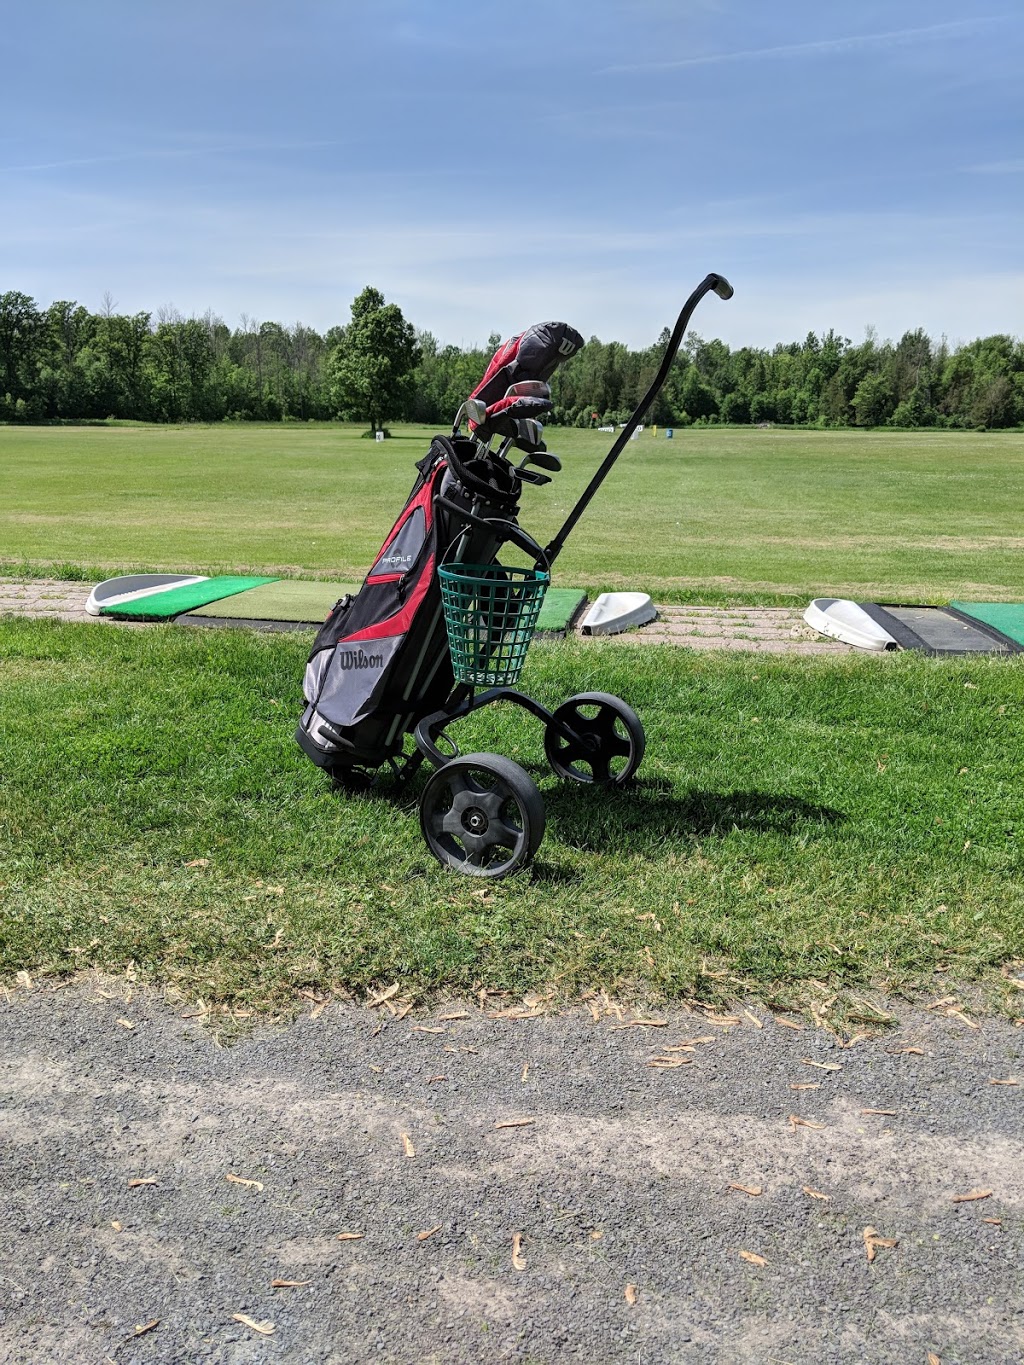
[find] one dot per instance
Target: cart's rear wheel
(608, 742)
(483, 815)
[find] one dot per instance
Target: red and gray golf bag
(381, 661)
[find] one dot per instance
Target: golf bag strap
(513, 533)
(465, 476)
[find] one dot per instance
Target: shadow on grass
(632, 818)
(604, 820)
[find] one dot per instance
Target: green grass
(801, 828)
(732, 515)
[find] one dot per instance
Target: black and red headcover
(534, 354)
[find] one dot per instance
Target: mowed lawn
(735, 515)
(802, 830)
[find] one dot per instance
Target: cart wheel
(483, 815)
(610, 740)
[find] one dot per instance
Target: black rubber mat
(939, 630)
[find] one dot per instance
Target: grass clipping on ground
(800, 828)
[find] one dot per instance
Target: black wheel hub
(474, 820)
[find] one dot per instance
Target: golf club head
(545, 459)
(531, 475)
(529, 388)
(475, 410)
(503, 418)
(528, 435)
(519, 406)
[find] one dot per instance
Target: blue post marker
(668, 433)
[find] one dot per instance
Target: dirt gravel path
(764, 630)
(512, 1189)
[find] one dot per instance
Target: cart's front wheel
(607, 742)
(483, 815)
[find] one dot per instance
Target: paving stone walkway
(764, 630)
(48, 597)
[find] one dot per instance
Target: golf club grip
(719, 284)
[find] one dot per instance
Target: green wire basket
(491, 613)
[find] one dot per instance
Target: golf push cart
(438, 618)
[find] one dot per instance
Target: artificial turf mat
(163, 605)
(560, 607)
(303, 602)
(283, 599)
(1006, 617)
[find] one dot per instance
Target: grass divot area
(800, 829)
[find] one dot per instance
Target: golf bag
(381, 661)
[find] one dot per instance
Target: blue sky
(489, 165)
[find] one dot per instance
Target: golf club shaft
(723, 289)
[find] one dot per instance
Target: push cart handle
(724, 290)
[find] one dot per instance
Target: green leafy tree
(180, 361)
(21, 336)
(371, 368)
(113, 365)
(697, 398)
(67, 330)
(873, 401)
(735, 407)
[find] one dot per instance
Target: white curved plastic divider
(843, 620)
(130, 587)
(614, 612)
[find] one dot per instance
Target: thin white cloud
(1013, 167)
(171, 154)
(823, 47)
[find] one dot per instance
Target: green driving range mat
(560, 608)
(163, 605)
(1006, 617)
(282, 599)
(302, 602)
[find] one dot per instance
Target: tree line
(65, 363)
